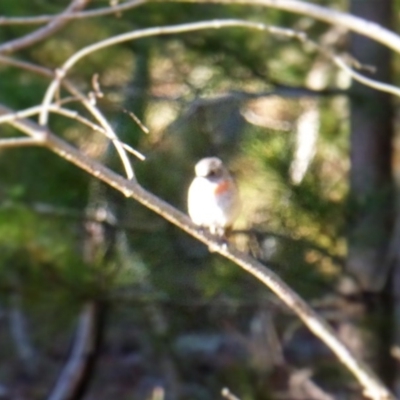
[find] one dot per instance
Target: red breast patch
(223, 187)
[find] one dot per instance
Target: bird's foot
(221, 239)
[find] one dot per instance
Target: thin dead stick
(216, 24)
(142, 33)
(42, 19)
(141, 125)
(225, 392)
(19, 142)
(75, 115)
(371, 384)
(383, 87)
(87, 104)
(54, 25)
(28, 112)
(67, 113)
(37, 69)
(108, 129)
(96, 86)
(339, 62)
(83, 350)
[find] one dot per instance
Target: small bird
(213, 197)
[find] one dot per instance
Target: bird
(213, 197)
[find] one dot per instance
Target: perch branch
(371, 384)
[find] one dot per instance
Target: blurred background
(316, 160)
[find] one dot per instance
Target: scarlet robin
(213, 197)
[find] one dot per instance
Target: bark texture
(371, 189)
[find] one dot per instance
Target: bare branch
(83, 351)
(19, 142)
(42, 33)
(56, 108)
(42, 19)
(328, 15)
(144, 128)
(215, 24)
(37, 69)
(370, 383)
(225, 392)
(300, 381)
(28, 112)
(142, 33)
(109, 132)
(96, 86)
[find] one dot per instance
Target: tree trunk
(371, 150)
(371, 184)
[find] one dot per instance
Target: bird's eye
(212, 173)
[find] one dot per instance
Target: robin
(213, 197)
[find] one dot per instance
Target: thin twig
(54, 25)
(67, 113)
(96, 86)
(42, 19)
(225, 392)
(86, 103)
(142, 33)
(37, 69)
(141, 125)
(383, 87)
(371, 384)
(19, 142)
(82, 354)
(216, 24)
(351, 22)
(28, 112)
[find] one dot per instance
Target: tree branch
(72, 379)
(333, 17)
(189, 27)
(370, 383)
(54, 25)
(87, 103)
(19, 142)
(41, 19)
(56, 108)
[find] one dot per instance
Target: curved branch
(88, 104)
(333, 17)
(58, 109)
(19, 142)
(54, 25)
(74, 376)
(371, 384)
(143, 33)
(189, 27)
(42, 19)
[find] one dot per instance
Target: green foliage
(168, 82)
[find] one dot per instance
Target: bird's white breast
(211, 210)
